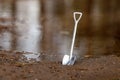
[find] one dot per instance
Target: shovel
(70, 59)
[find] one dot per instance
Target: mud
(87, 68)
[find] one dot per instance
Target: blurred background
(47, 26)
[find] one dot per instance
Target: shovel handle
(75, 29)
(77, 13)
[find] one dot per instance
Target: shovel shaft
(73, 40)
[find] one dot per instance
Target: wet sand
(88, 68)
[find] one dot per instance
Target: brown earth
(88, 68)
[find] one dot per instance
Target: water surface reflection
(5, 40)
(27, 26)
(47, 25)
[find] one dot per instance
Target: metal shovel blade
(68, 61)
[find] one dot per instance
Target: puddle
(46, 26)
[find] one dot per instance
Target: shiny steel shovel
(70, 59)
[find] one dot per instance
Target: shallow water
(38, 26)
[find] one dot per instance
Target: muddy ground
(88, 68)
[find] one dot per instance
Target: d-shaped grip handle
(77, 13)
